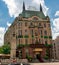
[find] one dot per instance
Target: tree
(5, 49)
(1, 50)
(48, 51)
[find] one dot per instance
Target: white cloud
(38, 2)
(55, 29)
(8, 24)
(56, 24)
(55, 35)
(13, 7)
(2, 31)
(57, 13)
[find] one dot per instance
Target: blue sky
(9, 9)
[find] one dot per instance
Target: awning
(38, 49)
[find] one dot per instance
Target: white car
(14, 64)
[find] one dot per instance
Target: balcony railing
(20, 36)
(26, 36)
(50, 37)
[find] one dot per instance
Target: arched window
(35, 18)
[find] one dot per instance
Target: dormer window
(35, 18)
(39, 24)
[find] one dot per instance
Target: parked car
(18, 64)
(14, 64)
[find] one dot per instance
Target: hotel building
(29, 33)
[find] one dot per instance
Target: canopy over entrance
(38, 49)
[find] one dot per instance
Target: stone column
(13, 48)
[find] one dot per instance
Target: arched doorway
(37, 53)
(38, 56)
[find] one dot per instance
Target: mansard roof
(28, 13)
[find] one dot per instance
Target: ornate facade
(29, 33)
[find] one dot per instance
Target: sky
(10, 9)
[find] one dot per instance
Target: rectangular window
(26, 33)
(32, 32)
(39, 41)
(36, 41)
(42, 41)
(26, 41)
(36, 33)
(20, 41)
(46, 42)
(31, 24)
(13, 34)
(45, 32)
(19, 24)
(32, 41)
(20, 32)
(44, 24)
(41, 32)
(25, 23)
(48, 25)
(39, 24)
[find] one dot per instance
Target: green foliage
(47, 54)
(32, 36)
(1, 50)
(41, 36)
(20, 36)
(26, 36)
(48, 51)
(46, 57)
(48, 45)
(22, 45)
(5, 49)
(29, 58)
(45, 36)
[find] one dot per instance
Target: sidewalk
(52, 63)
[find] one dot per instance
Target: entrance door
(37, 56)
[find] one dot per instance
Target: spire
(23, 6)
(40, 8)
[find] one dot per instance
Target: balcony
(41, 36)
(45, 36)
(32, 36)
(20, 36)
(26, 36)
(31, 26)
(50, 37)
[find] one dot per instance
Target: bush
(5, 49)
(46, 57)
(29, 58)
